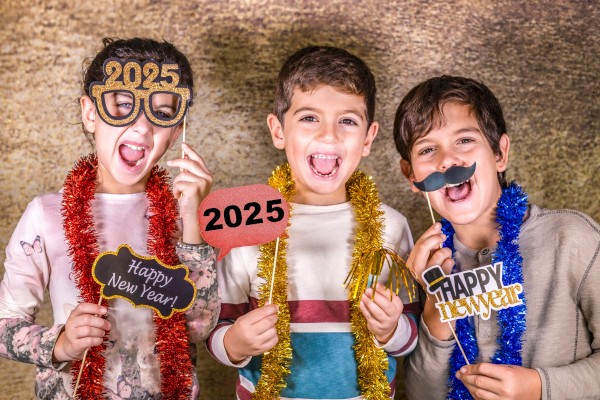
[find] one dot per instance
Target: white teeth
(325, 156)
(138, 148)
(448, 185)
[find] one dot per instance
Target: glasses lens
(166, 108)
(118, 104)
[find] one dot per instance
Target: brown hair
(421, 111)
(323, 65)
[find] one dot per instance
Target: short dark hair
(324, 65)
(420, 111)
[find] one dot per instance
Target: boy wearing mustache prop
(546, 347)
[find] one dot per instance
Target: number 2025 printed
(232, 215)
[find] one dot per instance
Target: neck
(478, 235)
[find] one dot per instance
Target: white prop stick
(437, 295)
(273, 273)
(183, 137)
(82, 364)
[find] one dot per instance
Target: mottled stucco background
(540, 58)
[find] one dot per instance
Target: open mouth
(458, 191)
(324, 165)
(132, 155)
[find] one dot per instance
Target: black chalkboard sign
(144, 281)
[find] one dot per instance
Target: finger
(264, 325)
(421, 252)
(88, 308)
(495, 371)
(85, 321)
(447, 265)
(261, 313)
(474, 376)
(440, 256)
(192, 160)
(385, 300)
(373, 309)
(85, 332)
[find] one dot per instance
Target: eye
(309, 118)
(425, 150)
(164, 113)
(125, 104)
(348, 121)
(465, 140)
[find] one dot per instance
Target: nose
(447, 159)
(328, 133)
(141, 125)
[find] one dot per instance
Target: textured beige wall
(541, 59)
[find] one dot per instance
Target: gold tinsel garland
(368, 258)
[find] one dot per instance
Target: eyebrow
(348, 111)
(126, 94)
(457, 132)
(165, 106)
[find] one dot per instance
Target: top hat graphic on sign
(434, 277)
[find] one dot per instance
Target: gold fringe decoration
(369, 257)
(275, 365)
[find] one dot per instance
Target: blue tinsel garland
(512, 206)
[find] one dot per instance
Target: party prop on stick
(475, 292)
(144, 282)
(244, 216)
(149, 87)
(453, 176)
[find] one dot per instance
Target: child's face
(325, 135)
(126, 154)
(459, 142)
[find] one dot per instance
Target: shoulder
(45, 204)
(396, 229)
(564, 223)
(393, 217)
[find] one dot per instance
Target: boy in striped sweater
(323, 119)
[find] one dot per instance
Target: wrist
(233, 356)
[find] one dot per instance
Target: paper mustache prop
(455, 175)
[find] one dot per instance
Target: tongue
(456, 193)
(131, 156)
(324, 166)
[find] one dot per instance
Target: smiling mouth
(132, 155)
(459, 191)
(324, 165)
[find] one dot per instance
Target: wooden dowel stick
(273, 273)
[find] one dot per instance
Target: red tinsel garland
(78, 221)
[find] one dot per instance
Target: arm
(243, 331)
(202, 316)
(27, 275)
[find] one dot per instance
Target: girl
(135, 95)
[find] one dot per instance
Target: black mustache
(454, 175)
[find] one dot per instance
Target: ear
(408, 174)
(502, 159)
(276, 131)
(88, 113)
(371, 134)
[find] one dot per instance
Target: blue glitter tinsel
(511, 209)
